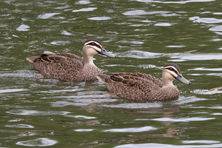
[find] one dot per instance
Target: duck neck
(167, 78)
(167, 82)
(88, 60)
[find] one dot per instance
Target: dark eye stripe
(94, 44)
(172, 69)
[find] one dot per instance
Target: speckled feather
(139, 87)
(65, 67)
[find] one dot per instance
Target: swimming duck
(141, 87)
(70, 67)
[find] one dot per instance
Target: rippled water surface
(144, 35)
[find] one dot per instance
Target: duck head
(172, 72)
(92, 47)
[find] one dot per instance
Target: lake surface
(144, 35)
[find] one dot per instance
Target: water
(144, 35)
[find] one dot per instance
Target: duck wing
(134, 78)
(57, 66)
(132, 86)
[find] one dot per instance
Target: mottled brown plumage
(67, 66)
(142, 87)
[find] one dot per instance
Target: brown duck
(70, 67)
(142, 87)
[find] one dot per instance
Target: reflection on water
(144, 35)
(47, 15)
(39, 142)
(175, 2)
(131, 130)
(155, 145)
(189, 119)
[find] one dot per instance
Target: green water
(144, 35)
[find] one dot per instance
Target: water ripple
(23, 27)
(168, 119)
(84, 2)
(197, 19)
(85, 9)
(46, 15)
(163, 24)
(63, 90)
(179, 57)
(157, 145)
(200, 142)
(131, 130)
(60, 42)
(81, 117)
(82, 102)
(206, 69)
(100, 18)
(139, 54)
(18, 74)
(39, 142)
(217, 29)
(186, 100)
(135, 12)
(64, 32)
(217, 90)
(12, 90)
(24, 112)
(84, 130)
(134, 105)
(175, 46)
(143, 12)
(19, 126)
(175, 2)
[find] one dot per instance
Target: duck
(141, 87)
(68, 66)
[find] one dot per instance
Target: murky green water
(144, 35)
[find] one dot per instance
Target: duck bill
(182, 79)
(105, 53)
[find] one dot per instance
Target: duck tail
(48, 52)
(103, 78)
(31, 59)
